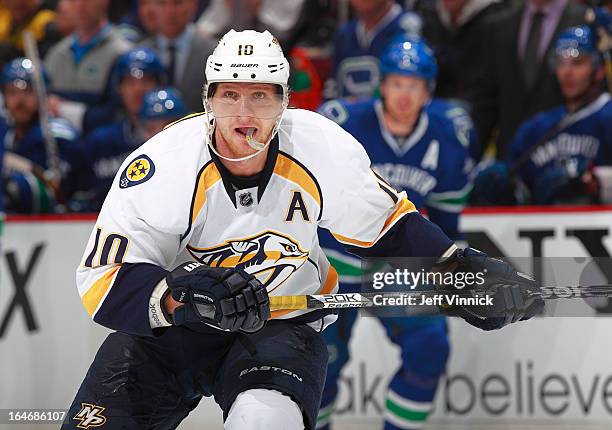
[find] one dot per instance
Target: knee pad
(426, 350)
(262, 409)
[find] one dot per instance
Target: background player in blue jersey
(359, 44)
(419, 152)
(552, 153)
(22, 135)
(160, 107)
(358, 47)
(136, 72)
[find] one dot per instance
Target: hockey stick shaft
(53, 161)
(387, 299)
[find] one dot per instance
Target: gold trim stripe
(403, 207)
(208, 178)
(289, 169)
(92, 298)
(286, 305)
(191, 115)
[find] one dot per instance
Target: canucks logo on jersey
(270, 256)
(140, 170)
(356, 68)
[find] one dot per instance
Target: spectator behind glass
(555, 153)
(65, 21)
(80, 65)
(359, 44)
(182, 50)
(17, 16)
(140, 21)
(516, 81)
(454, 30)
(135, 73)
(281, 17)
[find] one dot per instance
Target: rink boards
(547, 371)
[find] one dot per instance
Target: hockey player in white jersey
(242, 188)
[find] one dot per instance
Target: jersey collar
(233, 183)
(412, 139)
(595, 106)
(365, 38)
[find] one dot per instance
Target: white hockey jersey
(170, 195)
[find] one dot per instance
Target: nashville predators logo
(90, 416)
(138, 171)
(270, 256)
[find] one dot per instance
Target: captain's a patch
(140, 170)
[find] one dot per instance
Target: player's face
(404, 96)
(65, 18)
(21, 102)
(21, 9)
(172, 16)
(575, 76)
(87, 13)
(147, 15)
(242, 107)
(132, 90)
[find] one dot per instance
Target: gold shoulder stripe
(403, 207)
(330, 282)
(92, 298)
(208, 178)
(289, 169)
(191, 115)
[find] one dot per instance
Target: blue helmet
(407, 55)
(162, 103)
(576, 41)
(138, 62)
(20, 70)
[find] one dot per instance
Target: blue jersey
(431, 165)
(584, 140)
(356, 64)
(32, 144)
(106, 148)
(462, 122)
(29, 195)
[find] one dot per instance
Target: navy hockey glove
(228, 298)
(508, 289)
(493, 186)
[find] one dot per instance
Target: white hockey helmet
(248, 56)
(252, 57)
